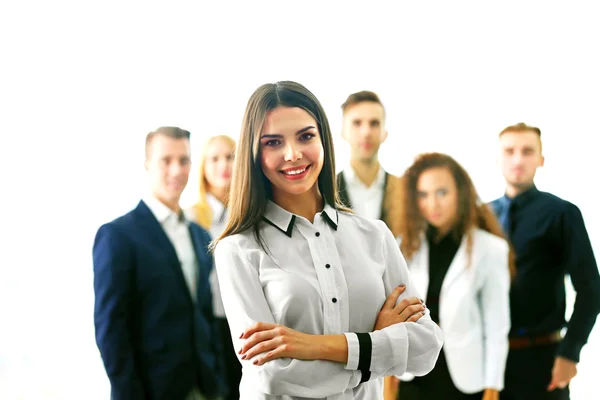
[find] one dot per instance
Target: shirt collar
(284, 220)
(216, 206)
(521, 198)
(352, 178)
(161, 212)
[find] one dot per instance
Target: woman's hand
(272, 341)
(491, 394)
(408, 310)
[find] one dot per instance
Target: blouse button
(334, 300)
(317, 234)
(327, 266)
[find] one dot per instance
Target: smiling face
(291, 151)
(168, 166)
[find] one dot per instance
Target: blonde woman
(211, 213)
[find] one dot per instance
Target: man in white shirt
(364, 183)
(153, 308)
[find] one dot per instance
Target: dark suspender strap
(382, 213)
(343, 190)
(364, 356)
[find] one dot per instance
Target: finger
(409, 301)
(552, 385)
(277, 352)
(259, 348)
(410, 310)
(258, 327)
(257, 338)
(415, 317)
(391, 300)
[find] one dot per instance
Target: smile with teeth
(297, 171)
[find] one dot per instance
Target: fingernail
(242, 335)
(240, 352)
(244, 357)
(255, 362)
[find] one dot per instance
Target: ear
(344, 136)
(384, 136)
(542, 160)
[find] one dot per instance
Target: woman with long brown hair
(319, 300)
(458, 257)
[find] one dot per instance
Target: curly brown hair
(409, 224)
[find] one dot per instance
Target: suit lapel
(201, 256)
(158, 239)
(419, 269)
(457, 267)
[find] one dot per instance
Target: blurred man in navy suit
(153, 305)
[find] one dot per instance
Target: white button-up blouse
(327, 277)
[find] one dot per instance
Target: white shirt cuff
(353, 351)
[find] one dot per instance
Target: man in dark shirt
(550, 241)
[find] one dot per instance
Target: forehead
(282, 120)
(519, 139)
(163, 146)
(435, 177)
(218, 145)
(366, 110)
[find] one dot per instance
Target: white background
(81, 83)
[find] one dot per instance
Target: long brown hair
(202, 210)
(250, 189)
(472, 213)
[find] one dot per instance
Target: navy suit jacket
(155, 342)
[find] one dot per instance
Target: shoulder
(489, 242)
(557, 202)
(238, 243)
(121, 225)
(362, 225)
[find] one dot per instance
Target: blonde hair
(202, 210)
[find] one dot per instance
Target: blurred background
(82, 83)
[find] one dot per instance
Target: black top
(550, 241)
(441, 254)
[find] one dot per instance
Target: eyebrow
(278, 135)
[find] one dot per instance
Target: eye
(272, 142)
(307, 136)
(442, 192)
(421, 195)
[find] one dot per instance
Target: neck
(220, 194)
(366, 170)
(513, 191)
(172, 205)
(305, 205)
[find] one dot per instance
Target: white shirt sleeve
(245, 304)
(495, 302)
(405, 347)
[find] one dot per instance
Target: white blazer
(474, 311)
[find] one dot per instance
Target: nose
(292, 152)
(365, 130)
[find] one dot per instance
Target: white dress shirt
(330, 277)
(177, 229)
(366, 200)
(220, 215)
